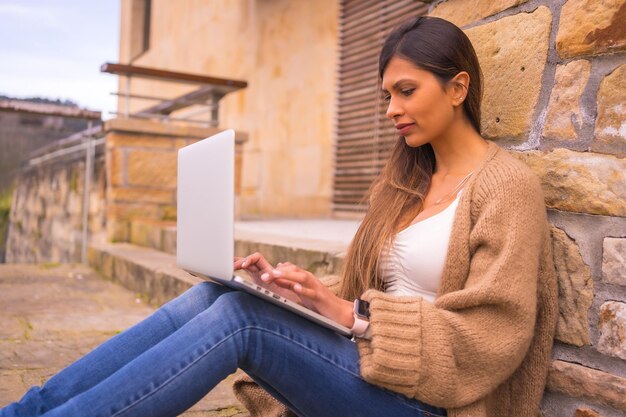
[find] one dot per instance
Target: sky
(54, 49)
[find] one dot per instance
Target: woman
(453, 257)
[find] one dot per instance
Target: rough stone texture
(116, 165)
(564, 117)
(153, 275)
(145, 194)
(592, 385)
(151, 168)
(149, 233)
(119, 216)
(69, 311)
(610, 132)
(585, 412)
(512, 48)
(591, 27)
(46, 216)
(581, 182)
(462, 12)
(575, 290)
(614, 261)
(612, 326)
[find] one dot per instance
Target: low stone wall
(555, 88)
(46, 214)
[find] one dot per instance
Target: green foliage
(74, 181)
(5, 210)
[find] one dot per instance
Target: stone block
(138, 140)
(131, 211)
(564, 117)
(610, 132)
(581, 382)
(614, 261)
(116, 164)
(585, 412)
(591, 27)
(152, 168)
(612, 326)
(142, 194)
(463, 12)
(146, 234)
(575, 290)
(168, 213)
(119, 215)
(582, 182)
(181, 143)
(169, 240)
(512, 52)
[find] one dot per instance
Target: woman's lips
(403, 128)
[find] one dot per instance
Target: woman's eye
(407, 91)
(387, 98)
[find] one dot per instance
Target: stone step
(324, 235)
(317, 245)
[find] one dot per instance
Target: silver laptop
(205, 226)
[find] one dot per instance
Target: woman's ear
(458, 88)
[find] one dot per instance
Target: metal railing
(206, 97)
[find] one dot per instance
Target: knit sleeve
(332, 282)
(459, 349)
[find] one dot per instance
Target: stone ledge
(148, 264)
(150, 273)
(318, 245)
(581, 382)
(164, 129)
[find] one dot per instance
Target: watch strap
(360, 324)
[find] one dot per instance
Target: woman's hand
(312, 292)
(256, 265)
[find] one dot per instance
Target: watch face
(363, 308)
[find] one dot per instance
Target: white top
(415, 263)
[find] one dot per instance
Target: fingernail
(297, 287)
(243, 264)
(265, 276)
(277, 273)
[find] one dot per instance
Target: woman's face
(420, 108)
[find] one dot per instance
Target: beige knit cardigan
(482, 349)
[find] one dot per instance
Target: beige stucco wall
(286, 51)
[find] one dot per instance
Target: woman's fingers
(255, 263)
(304, 292)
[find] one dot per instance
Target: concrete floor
(51, 316)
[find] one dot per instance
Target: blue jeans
(169, 361)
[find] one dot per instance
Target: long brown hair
(440, 47)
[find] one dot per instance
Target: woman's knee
(240, 308)
(193, 301)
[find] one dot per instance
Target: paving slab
(51, 316)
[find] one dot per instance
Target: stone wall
(47, 210)
(21, 132)
(555, 81)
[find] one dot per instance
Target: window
(140, 13)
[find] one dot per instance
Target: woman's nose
(393, 110)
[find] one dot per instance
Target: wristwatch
(361, 318)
